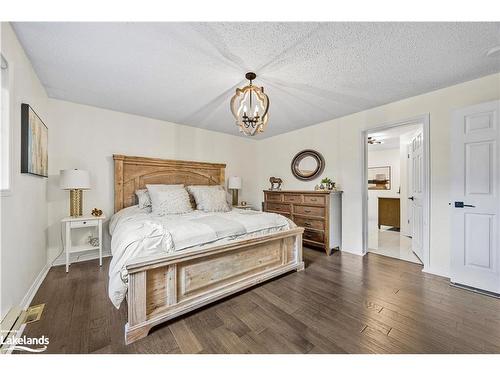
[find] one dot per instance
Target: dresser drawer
(309, 223)
(274, 197)
(292, 198)
(315, 199)
(84, 223)
(309, 210)
(278, 207)
(314, 235)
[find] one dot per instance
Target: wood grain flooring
(339, 304)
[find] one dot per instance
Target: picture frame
(34, 143)
(379, 178)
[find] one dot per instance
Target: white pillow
(197, 191)
(173, 201)
(154, 189)
(210, 198)
(143, 198)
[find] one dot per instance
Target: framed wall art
(379, 178)
(34, 143)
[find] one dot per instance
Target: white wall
(86, 137)
(24, 211)
(340, 143)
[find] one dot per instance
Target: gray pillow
(154, 189)
(173, 201)
(143, 198)
(210, 198)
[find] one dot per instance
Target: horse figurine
(275, 180)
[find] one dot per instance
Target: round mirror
(307, 165)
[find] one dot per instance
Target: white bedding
(137, 233)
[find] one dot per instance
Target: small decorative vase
(93, 241)
(321, 187)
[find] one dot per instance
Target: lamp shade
(74, 179)
(234, 183)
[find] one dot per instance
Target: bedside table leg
(67, 246)
(100, 243)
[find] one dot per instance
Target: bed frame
(162, 287)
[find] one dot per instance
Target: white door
(475, 197)
(416, 193)
(407, 193)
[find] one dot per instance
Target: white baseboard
(437, 272)
(360, 253)
(82, 257)
(26, 301)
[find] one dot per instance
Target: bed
(168, 280)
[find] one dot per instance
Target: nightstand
(72, 222)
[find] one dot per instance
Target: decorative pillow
(173, 201)
(197, 192)
(154, 189)
(211, 199)
(143, 198)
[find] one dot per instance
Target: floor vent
(33, 314)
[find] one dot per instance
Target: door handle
(412, 198)
(462, 205)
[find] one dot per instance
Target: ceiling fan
(373, 141)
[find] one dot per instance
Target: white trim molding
(26, 301)
(10, 124)
(423, 119)
(437, 272)
(76, 258)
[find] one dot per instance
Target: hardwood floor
(339, 304)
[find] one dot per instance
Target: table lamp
(75, 180)
(234, 184)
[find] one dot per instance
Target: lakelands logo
(10, 341)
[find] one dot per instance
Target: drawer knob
(84, 222)
(313, 199)
(307, 224)
(307, 211)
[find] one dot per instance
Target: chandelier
(249, 106)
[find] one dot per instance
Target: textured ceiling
(312, 72)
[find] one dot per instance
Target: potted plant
(327, 183)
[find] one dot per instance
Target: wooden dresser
(389, 212)
(319, 212)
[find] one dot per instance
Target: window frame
(9, 123)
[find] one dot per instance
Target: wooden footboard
(162, 288)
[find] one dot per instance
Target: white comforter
(137, 233)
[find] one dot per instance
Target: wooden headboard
(133, 172)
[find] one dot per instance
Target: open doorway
(396, 190)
